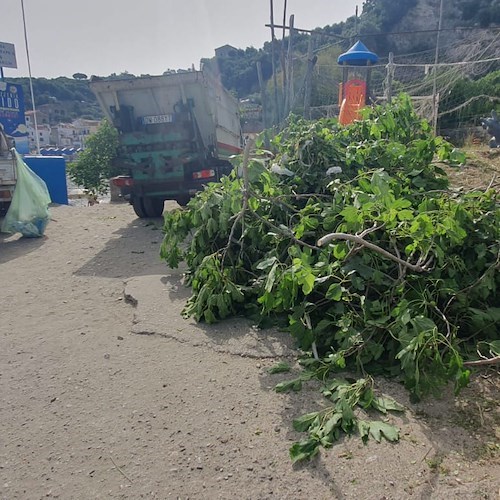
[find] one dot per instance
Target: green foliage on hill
(72, 94)
(479, 12)
(377, 18)
(238, 70)
(477, 92)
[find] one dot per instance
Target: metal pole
(37, 138)
(1, 73)
(436, 58)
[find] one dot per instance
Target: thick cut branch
(483, 362)
(360, 241)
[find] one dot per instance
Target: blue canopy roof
(358, 55)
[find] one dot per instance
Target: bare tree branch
(418, 268)
(483, 362)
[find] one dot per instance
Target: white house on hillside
(43, 132)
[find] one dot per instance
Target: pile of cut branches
(351, 237)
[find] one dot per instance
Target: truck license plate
(154, 119)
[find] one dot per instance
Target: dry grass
(481, 170)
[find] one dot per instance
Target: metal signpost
(12, 118)
(7, 57)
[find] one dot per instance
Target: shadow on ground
(15, 246)
(440, 438)
(159, 301)
(133, 250)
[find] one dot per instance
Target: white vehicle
(7, 173)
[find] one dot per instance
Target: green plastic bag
(28, 213)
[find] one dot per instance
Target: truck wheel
(138, 205)
(4, 208)
(183, 200)
(153, 206)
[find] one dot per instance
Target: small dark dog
(92, 199)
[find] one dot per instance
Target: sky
(100, 37)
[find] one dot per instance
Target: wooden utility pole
(263, 98)
(262, 95)
(311, 61)
(289, 70)
(283, 60)
(390, 75)
(435, 99)
(273, 62)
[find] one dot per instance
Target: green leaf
(304, 450)
(253, 203)
(303, 423)
(385, 403)
(209, 316)
(332, 423)
(495, 347)
(380, 183)
(334, 292)
(364, 430)
(281, 367)
(379, 429)
(351, 214)
(289, 385)
(308, 283)
(405, 215)
(271, 278)
(264, 264)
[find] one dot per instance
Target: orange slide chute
(354, 98)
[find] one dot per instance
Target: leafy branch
(250, 249)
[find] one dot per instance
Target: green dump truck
(176, 132)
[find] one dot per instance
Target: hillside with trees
(384, 25)
(71, 94)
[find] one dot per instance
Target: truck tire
(138, 205)
(153, 206)
(183, 200)
(4, 208)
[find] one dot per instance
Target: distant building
(41, 118)
(57, 111)
(226, 51)
(64, 135)
(43, 132)
(84, 128)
